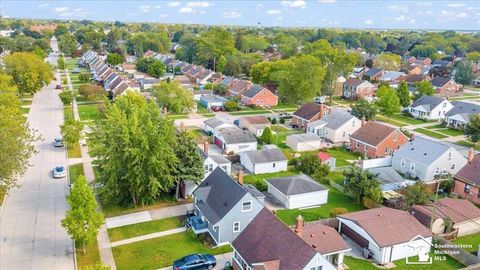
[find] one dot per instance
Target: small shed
(327, 159)
(297, 191)
(303, 142)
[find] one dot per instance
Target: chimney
(240, 177)
(205, 147)
(412, 136)
(299, 226)
(471, 155)
(363, 121)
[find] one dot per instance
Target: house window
(208, 168)
(395, 137)
(317, 268)
(273, 165)
(343, 135)
(236, 227)
(412, 166)
(452, 167)
(247, 206)
(467, 189)
(357, 145)
(402, 163)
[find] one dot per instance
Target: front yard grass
(249, 112)
(450, 131)
(88, 111)
(258, 180)
(390, 121)
(342, 155)
(67, 112)
(473, 240)
(359, 264)
(112, 209)
(408, 120)
(73, 150)
(431, 133)
(335, 199)
(469, 144)
(162, 251)
(129, 231)
(90, 258)
(74, 171)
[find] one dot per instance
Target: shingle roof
(422, 150)
(240, 86)
(266, 240)
(388, 226)
(373, 72)
(457, 210)
(462, 107)
(323, 238)
(220, 159)
(387, 175)
(253, 91)
(439, 81)
(257, 120)
(214, 122)
(471, 171)
(296, 184)
(308, 110)
(266, 155)
(372, 133)
(428, 103)
(334, 120)
(353, 82)
(414, 78)
(237, 135)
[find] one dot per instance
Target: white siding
(308, 199)
(267, 167)
(319, 260)
(278, 195)
(240, 147)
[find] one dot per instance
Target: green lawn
(88, 111)
(390, 121)
(67, 112)
(73, 150)
(74, 171)
(197, 134)
(335, 199)
(25, 110)
(473, 240)
(162, 251)
(280, 136)
(90, 258)
(469, 144)
(409, 120)
(129, 231)
(258, 180)
(358, 264)
(430, 133)
(337, 177)
(111, 209)
(278, 128)
(27, 102)
(249, 112)
(342, 155)
(450, 131)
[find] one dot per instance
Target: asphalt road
(32, 236)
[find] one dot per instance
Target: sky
(444, 15)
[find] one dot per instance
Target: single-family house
(464, 216)
(208, 101)
(423, 61)
(259, 96)
(327, 159)
(413, 79)
(235, 140)
(467, 179)
(255, 124)
(386, 234)
(373, 74)
(430, 108)
(389, 178)
(441, 63)
(393, 77)
(359, 71)
(427, 160)
(356, 89)
(223, 207)
(335, 127)
(264, 161)
(307, 113)
(445, 86)
(212, 125)
(238, 88)
(375, 140)
(414, 70)
(303, 142)
(459, 115)
(268, 244)
(337, 91)
(297, 191)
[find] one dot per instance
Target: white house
(335, 127)
(255, 124)
(297, 191)
(430, 108)
(264, 161)
(460, 114)
(386, 234)
(212, 125)
(303, 142)
(235, 140)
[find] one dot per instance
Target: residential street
(32, 236)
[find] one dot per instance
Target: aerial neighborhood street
(239, 135)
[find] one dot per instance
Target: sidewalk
(221, 260)
(161, 213)
(147, 236)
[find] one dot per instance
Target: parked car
(285, 115)
(58, 142)
(195, 261)
(217, 108)
(59, 172)
(59, 86)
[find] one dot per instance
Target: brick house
(375, 140)
(238, 88)
(308, 113)
(423, 61)
(355, 89)
(445, 86)
(414, 70)
(260, 96)
(373, 74)
(467, 180)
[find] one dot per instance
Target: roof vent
(324, 232)
(314, 246)
(424, 154)
(379, 215)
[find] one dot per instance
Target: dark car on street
(195, 261)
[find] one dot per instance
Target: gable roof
(266, 155)
(457, 210)
(391, 75)
(323, 238)
(471, 171)
(295, 184)
(308, 111)
(463, 108)
(354, 82)
(257, 120)
(414, 78)
(383, 225)
(267, 240)
(323, 156)
(439, 81)
(236, 135)
(254, 90)
(334, 120)
(372, 133)
(373, 71)
(428, 103)
(239, 86)
(214, 122)
(422, 150)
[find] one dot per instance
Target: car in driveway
(59, 172)
(217, 108)
(285, 115)
(58, 142)
(195, 261)
(59, 86)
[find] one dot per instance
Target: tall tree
(190, 164)
(173, 96)
(424, 88)
(364, 109)
(403, 94)
(417, 193)
(134, 153)
(82, 221)
(472, 130)
(71, 130)
(66, 97)
(267, 136)
(67, 44)
(156, 69)
(389, 103)
(362, 184)
(114, 59)
(61, 63)
(464, 73)
(388, 61)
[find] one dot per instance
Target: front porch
(198, 223)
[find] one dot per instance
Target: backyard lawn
(73, 150)
(336, 177)
(129, 231)
(74, 171)
(430, 133)
(197, 134)
(473, 240)
(359, 264)
(258, 180)
(335, 199)
(162, 251)
(112, 209)
(88, 111)
(342, 156)
(90, 258)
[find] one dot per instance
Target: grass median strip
(74, 171)
(431, 133)
(73, 150)
(139, 229)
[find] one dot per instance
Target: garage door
(218, 142)
(357, 238)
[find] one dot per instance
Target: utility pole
(434, 205)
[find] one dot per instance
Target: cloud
(163, 15)
(452, 14)
(186, 10)
(198, 4)
(231, 15)
(67, 12)
(173, 4)
(274, 11)
(144, 8)
(43, 5)
(294, 4)
(327, 1)
(456, 5)
(429, 12)
(400, 18)
(413, 20)
(60, 9)
(369, 21)
(157, 7)
(398, 8)
(462, 15)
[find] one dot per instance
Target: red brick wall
(379, 151)
(450, 86)
(235, 265)
(364, 92)
(263, 98)
(459, 188)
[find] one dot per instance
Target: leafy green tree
(250, 42)
(16, 137)
(472, 129)
(174, 97)
(424, 51)
(286, 44)
(233, 67)
(424, 88)
(114, 59)
(92, 91)
(321, 173)
(84, 77)
(267, 136)
(60, 30)
(464, 73)
(417, 193)
(39, 52)
(403, 94)
(67, 44)
(71, 130)
(473, 57)
(82, 221)
(61, 63)
(362, 184)
(231, 105)
(388, 61)
(66, 97)
(308, 163)
(221, 63)
(156, 69)
(389, 103)
(190, 164)
(364, 109)
(141, 164)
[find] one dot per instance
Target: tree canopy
(362, 184)
(173, 96)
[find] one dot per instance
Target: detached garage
(297, 191)
(304, 142)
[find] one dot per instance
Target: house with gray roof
(264, 161)
(223, 207)
(427, 160)
(389, 178)
(393, 77)
(297, 191)
(430, 108)
(235, 140)
(212, 125)
(335, 127)
(373, 74)
(461, 112)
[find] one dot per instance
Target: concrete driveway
(31, 233)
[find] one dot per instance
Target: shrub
(274, 121)
(338, 211)
(84, 77)
(282, 121)
(230, 105)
